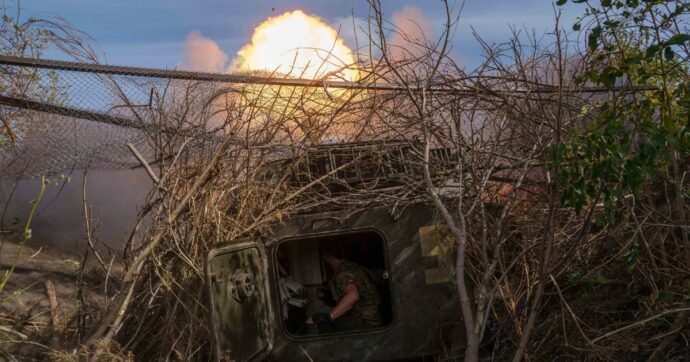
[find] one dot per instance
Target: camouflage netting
(60, 116)
(52, 144)
(64, 119)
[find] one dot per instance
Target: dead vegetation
(537, 278)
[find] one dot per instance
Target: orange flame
(297, 45)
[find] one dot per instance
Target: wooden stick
(639, 323)
(144, 163)
(53, 304)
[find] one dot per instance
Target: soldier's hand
(309, 321)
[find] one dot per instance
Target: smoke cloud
(113, 196)
(203, 54)
(412, 29)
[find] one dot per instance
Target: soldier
(356, 296)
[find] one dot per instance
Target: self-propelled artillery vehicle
(263, 289)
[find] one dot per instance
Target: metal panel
(425, 310)
(240, 302)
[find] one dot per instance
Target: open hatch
(303, 276)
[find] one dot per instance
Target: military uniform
(367, 307)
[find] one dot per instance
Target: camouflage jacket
(367, 307)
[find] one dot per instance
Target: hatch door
(240, 301)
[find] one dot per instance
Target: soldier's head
(332, 254)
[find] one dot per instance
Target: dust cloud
(114, 198)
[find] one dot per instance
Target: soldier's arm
(349, 299)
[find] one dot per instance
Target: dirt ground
(49, 300)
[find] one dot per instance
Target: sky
(152, 33)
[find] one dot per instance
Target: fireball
(296, 45)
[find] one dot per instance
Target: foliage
(630, 137)
(26, 235)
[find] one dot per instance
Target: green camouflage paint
(424, 299)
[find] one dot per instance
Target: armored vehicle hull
(254, 317)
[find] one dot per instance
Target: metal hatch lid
(241, 313)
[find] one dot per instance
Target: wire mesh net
(47, 143)
(56, 120)
(59, 116)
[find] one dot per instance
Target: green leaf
(666, 296)
(633, 60)
(605, 3)
(651, 51)
(669, 54)
(677, 39)
(573, 276)
(601, 279)
(609, 75)
(612, 23)
(561, 2)
(577, 26)
(593, 39)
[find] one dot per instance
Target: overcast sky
(152, 33)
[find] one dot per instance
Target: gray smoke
(114, 197)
